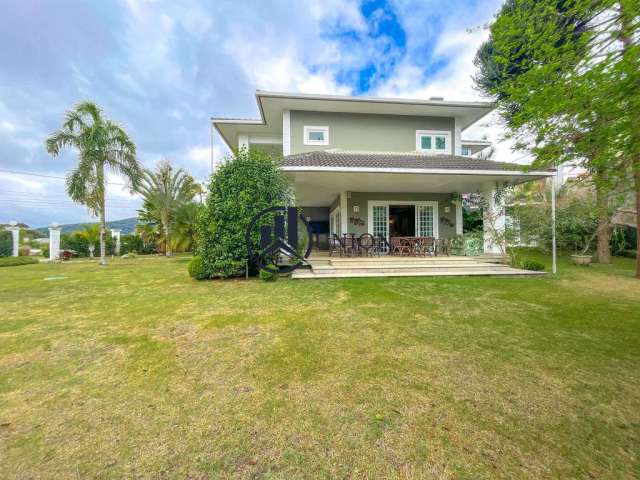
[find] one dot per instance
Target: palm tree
(186, 226)
(102, 145)
(91, 234)
(148, 233)
(163, 191)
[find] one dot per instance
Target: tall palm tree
(163, 191)
(91, 234)
(102, 145)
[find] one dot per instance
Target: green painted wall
(362, 198)
(353, 131)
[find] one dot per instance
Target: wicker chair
(400, 246)
(427, 246)
(444, 246)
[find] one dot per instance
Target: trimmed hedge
(196, 268)
(6, 243)
(16, 261)
(533, 265)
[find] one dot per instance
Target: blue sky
(163, 68)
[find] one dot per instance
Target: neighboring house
(386, 166)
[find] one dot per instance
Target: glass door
(380, 221)
(424, 221)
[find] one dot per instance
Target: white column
(15, 237)
(243, 141)
(344, 213)
(494, 221)
(286, 133)
(459, 218)
(457, 137)
(115, 234)
(54, 242)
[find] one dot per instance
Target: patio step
(413, 272)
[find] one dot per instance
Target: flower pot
(582, 259)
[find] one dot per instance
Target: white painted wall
(54, 242)
(457, 137)
(15, 237)
(286, 132)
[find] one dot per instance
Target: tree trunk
(637, 178)
(103, 215)
(167, 240)
(604, 227)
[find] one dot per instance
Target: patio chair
(380, 245)
(349, 244)
(335, 245)
(443, 246)
(400, 246)
(428, 246)
(367, 244)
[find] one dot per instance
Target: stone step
(403, 266)
(445, 272)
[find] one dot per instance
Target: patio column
(115, 234)
(243, 141)
(459, 217)
(493, 221)
(344, 213)
(15, 237)
(54, 242)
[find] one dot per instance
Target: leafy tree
(246, 183)
(91, 234)
(551, 65)
(102, 145)
(148, 233)
(164, 191)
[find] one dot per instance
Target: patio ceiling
(320, 188)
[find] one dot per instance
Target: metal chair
(335, 245)
(367, 244)
(399, 246)
(349, 244)
(428, 246)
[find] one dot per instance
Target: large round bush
(242, 186)
(196, 268)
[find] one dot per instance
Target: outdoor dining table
(413, 245)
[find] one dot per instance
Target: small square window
(441, 143)
(316, 135)
(466, 151)
(425, 142)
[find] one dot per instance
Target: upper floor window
(434, 142)
(316, 135)
(466, 151)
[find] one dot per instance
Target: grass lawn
(135, 370)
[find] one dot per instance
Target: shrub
(629, 253)
(533, 265)
(196, 268)
(16, 261)
(242, 186)
(268, 276)
(45, 250)
(6, 243)
(24, 250)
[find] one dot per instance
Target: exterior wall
(445, 229)
(352, 131)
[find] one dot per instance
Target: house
(386, 166)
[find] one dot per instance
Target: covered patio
(399, 198)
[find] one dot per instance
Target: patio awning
(319, 177)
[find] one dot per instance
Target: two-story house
(386, 166)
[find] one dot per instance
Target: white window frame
(385, 203)
(308, 129)
(334, 222)
(433, 134)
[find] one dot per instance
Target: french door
(424, 221)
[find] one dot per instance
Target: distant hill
(127, 225)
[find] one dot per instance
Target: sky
(162, 68)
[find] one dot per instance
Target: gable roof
(400, 162)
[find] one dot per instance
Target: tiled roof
(342, 159)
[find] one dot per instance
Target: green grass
(135, 370)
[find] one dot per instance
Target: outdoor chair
(335, 245)
(381, 245)
(400, 246)
(349, 244)
(367, 244)
(443, 246)
(427, 246)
